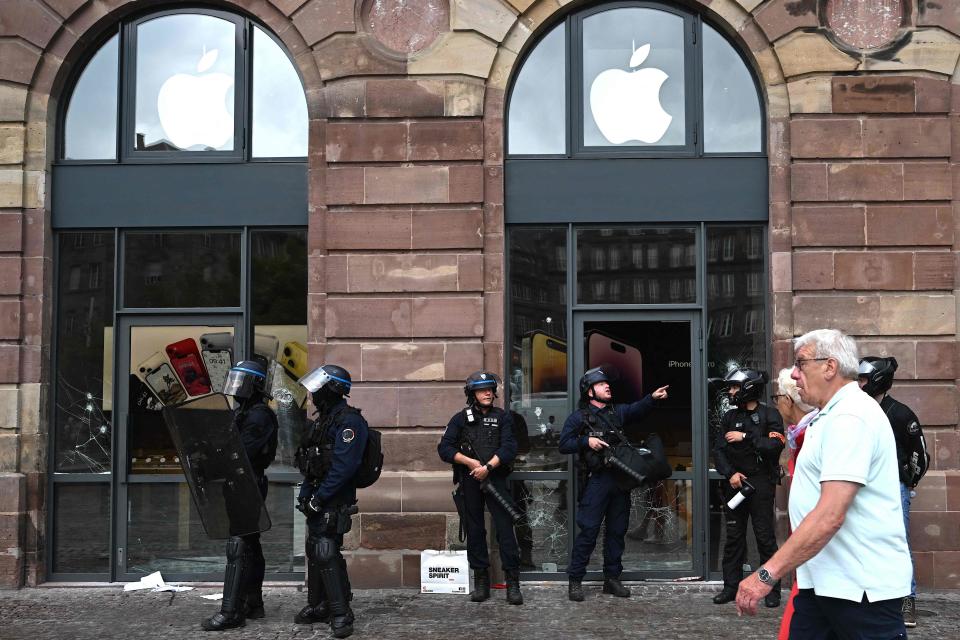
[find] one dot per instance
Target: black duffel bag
(646, 464)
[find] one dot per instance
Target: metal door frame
(121, 478)
(699, 437)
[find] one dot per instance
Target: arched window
(643, 79)
(186, 85)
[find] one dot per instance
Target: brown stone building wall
(406, 224)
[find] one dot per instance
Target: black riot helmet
(245, 379)
(328, 377)
(878, 373)
(480, 380)
(751, 384)
(591, 377)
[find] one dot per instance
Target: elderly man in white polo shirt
(848, 543)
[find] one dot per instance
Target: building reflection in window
(537, 370)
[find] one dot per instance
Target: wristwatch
(489, 467)
(765, 576)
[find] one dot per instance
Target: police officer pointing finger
(596, 425)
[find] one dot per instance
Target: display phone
(544, 362)
(158, 375)
(217, 354)
(141, 397)
(185, 358)
(294, 359)
(265, 349)
(605, 350)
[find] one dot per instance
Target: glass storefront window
(660, 537)
(90, 128)
(731, 106)
(537, 119)
(170, 365)
(185, 83)
(538, 356)
(181, 269)
(544, 534)
(633, 78)
(164, 532)
(83, 419)
(279, 103)
(636, 265)
(81, 539)
(736, 308)
(279, 312)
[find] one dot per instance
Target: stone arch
(54, 38)
(734, 18)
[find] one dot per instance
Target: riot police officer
(329, 458)
(243, 577)
(597, 424)
(876, 377)
(748, 448)
(480, 444)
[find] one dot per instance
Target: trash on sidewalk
(213, 596)
(155, 583)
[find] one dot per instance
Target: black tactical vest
(605, 425)
(315, 455)
(483, 431)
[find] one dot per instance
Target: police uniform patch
(348, 435)
(913, 428)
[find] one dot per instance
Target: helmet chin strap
(593, 396)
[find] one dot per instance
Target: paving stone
(665, 611)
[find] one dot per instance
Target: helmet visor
(735, 377)
(315, 380)
(239, 381)
(866, 368)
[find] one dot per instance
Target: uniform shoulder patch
(913, 428)
(348, 435)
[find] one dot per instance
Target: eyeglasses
(775, 397)
(799, 363)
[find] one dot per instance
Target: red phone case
(185, 358)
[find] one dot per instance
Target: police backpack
(371, 465)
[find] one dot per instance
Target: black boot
(613, 586)
(317, 609)
(513, 587)
(232, 607)
(253, 606)
(772, 599)
(342, 626)
(311, 614)
(481, 585)
(728, 594)
(575, 590)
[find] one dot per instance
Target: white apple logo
(626, 105)
(193, 108)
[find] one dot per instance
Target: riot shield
(224, 488)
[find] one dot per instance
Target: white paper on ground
(213, 596)
(155, 582)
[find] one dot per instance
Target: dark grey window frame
(693, 92)
(242, 316)
(126, 94)
(701, 350)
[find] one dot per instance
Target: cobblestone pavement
(659, 612)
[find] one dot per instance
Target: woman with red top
(796, 415)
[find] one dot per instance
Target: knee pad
(236, 547)
(321, 549)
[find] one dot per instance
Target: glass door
(161, 361)
(650, 350)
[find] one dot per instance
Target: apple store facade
(418, 189)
